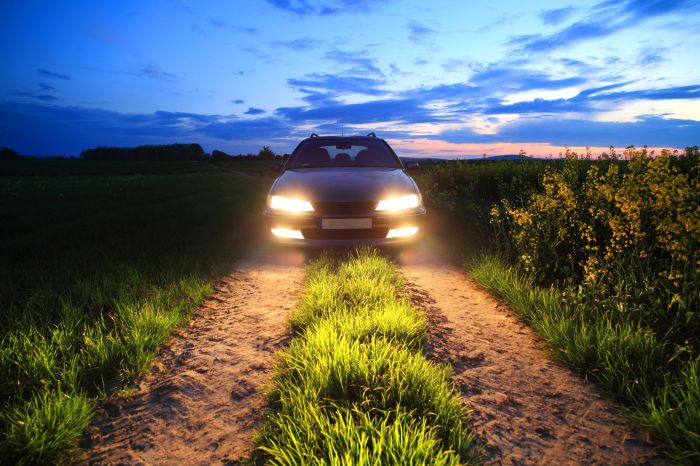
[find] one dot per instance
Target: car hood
(347, 184)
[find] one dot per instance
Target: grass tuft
(46, 429)
(353, 387)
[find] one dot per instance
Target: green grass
(601, 258)
(97, 270)
(638, 367)
(354, 387)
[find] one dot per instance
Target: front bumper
(310, 226)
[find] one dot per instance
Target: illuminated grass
(353, 387)
(627, 359)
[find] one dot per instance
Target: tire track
(527, 408)
(202, 401)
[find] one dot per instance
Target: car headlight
(289, 205)
(409, 201)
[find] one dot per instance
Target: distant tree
(8, 154)
(219, 156)
(266, 154)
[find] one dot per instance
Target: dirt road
(202, 402)
(527, 408)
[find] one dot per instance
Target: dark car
(340, 191)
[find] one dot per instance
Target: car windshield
(322, 154)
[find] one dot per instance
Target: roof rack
(372, 135)
(313, 135)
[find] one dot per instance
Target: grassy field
(602, 257)
(354, 386)
(100, 261)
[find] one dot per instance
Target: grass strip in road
(628, 360)
(353, 387)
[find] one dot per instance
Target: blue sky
(438, 78)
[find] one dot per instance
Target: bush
(8, 154)
(266, 154)
(622, 230)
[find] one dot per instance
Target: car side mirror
(411, 166)
(277, 167)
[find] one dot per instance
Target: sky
(434, 78)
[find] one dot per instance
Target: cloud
(487, 84)
(579, 66)
(419, 33)
(181, 118)
(300, 44)
(36, 95)
(317, 98)
(46, 87)
(436, 104)
(325, 8)
(356, 61)
(456, 64)
(50, 74)
(652, 55)
(224, 25)
(651, 130)
(604, 19)
(238, 101)
(261, 128)
(512, 78)
(155, 72)
(456, 91)
(584, 100)
(340, 84)
(389, 110)
(669, 93)
(254, 111)
(68, 130)
(555, 16)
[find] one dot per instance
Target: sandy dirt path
(527, 408)
(202, 401)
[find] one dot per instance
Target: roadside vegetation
(100, 261)
(354, 387)
(602, 258)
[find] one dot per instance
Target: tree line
(158, 153)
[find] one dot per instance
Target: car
(342, 191)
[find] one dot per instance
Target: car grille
(371, 233)
(344, 207)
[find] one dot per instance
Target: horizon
(235, 76)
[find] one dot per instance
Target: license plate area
(346, 223)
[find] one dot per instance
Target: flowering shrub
(615, 245)
(613, 229)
